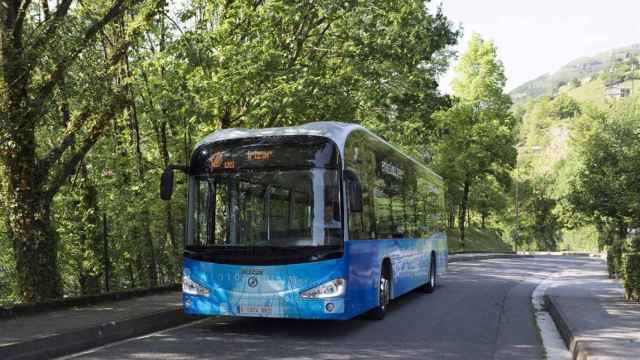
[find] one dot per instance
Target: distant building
(619, 90)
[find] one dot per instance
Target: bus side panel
(410, 264)
(364, 269)
(442, 252)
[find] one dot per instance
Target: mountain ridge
(582, 68)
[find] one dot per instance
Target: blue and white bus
(320, 221)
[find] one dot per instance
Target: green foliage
(282, 63)
(477, 143)
(608, 184)
(581, 155)
(575, 82)
(614, 258)
(622, 69)
(541, 225)
(582, 238)
(121, 103)
(8, 293)
(564, 107)
(631, 278)
(478, 239)
(632, 244)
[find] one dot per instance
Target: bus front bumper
(267, 307)
(262, 291)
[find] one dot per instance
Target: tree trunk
(144, 218)
(150, 252)
(29, 223)
(90, 242)
(452, 217)
(225, 119)
(34, 241)
(170, 230)
(29, 226)
(622, 230)
(132, 276)
(164, 153)
(463, 211)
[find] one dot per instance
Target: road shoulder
(60, 332)
(591, 315)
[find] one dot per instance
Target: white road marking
(551, 340)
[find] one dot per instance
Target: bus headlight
(191, 287)
(330, 289)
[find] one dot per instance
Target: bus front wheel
(384, 295)
(430, 286)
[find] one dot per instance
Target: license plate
(251, 309)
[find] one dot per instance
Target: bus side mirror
(166, 181)
(354, 190)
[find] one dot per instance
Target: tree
(478, 136)
(43, 138)
(282, 63)
(607, 185)
(540, 224)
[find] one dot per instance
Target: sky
(535, 37)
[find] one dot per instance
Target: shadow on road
(482, 310)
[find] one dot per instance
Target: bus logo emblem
(252, 282)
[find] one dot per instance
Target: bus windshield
(258, 208)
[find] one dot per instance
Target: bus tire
(431, 284)
(384, 294)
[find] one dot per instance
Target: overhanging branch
(51, 25)
(44, 92)
(118, 103)
(68, 140)
(68, 166)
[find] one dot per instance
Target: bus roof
(336, 131)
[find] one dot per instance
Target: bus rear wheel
(384, 295)
(430, 286)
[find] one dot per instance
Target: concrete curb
(602, 255)
(91, 337)
(7, 312)
(561, 323)
(579, 349)
(488, 257)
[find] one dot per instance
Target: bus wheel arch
(386, 269)
(432, 280)
(384, 290)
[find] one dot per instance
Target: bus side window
(360, 216)
(354, 191)
(361, 162)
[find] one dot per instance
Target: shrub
(633, 244)
(631, 275)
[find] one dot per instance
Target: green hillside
(478, 239)
(590, 92)
(583, 69)
(554, 110)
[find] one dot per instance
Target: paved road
(481, 310)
